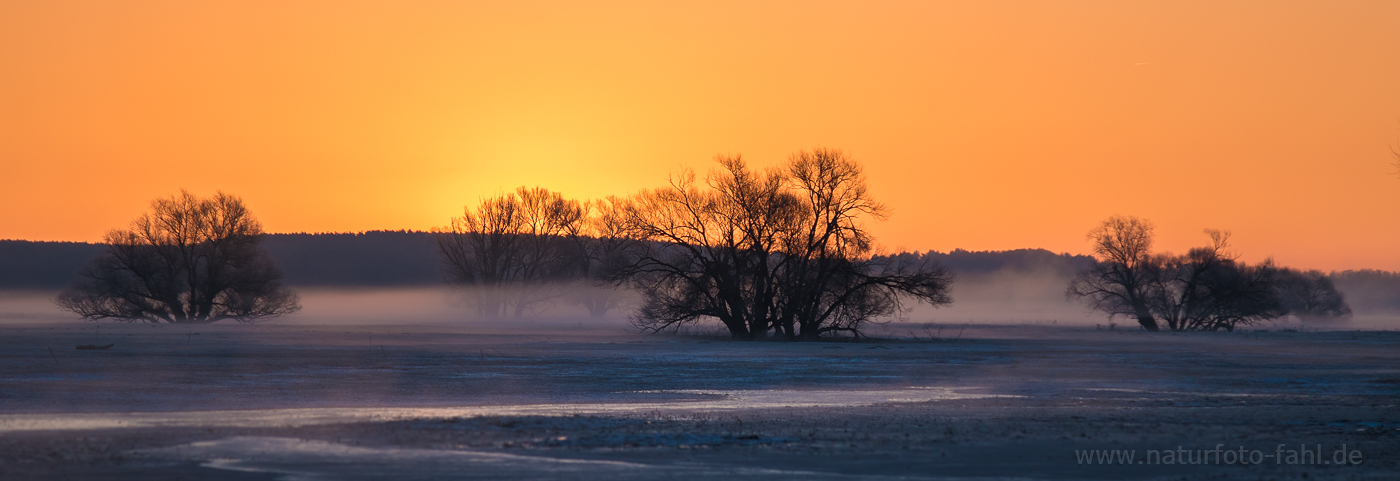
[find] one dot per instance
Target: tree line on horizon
(409, 258)
(779, 253)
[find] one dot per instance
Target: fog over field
(313, 398)
(396, 277)
(700, 241)
(477, 355)
(999, 297)
(411, 382)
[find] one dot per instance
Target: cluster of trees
(782, 251)
(779, 253)
(190, 260)
(530, 247)
(1206, 289)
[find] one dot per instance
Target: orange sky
(985, 125)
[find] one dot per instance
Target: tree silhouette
(1209, 289)
(781, 250)
(1119, 285)
(190, 260)
(829, 282)
(1206, 289)
(604, 251)
(1311, 295)
(515, 248)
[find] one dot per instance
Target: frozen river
(566, 401)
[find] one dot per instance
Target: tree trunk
(490, 306)
(737, 331)
(758, 328)
(785, 329)
(596, 307)
(1144, 317)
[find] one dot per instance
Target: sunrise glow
(983, 125)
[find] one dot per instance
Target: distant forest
(370, 259)
(410, 258)
(405, 258)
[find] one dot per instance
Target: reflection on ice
(700, 400)
(302, 460)
(770, 398)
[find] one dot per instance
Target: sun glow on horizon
(984, 126)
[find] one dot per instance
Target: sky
(984, 125)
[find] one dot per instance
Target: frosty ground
(571, 400)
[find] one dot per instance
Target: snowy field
(310, 398)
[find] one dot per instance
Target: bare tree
(1206, 289)
(1310, 295)
(1240, 294)
(828, 279)
(1121, 282)
(1210, 289)
(190, 260)
(513, 248)
(781, 250)
(478, 249)
(691, 260)
(604, 249)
